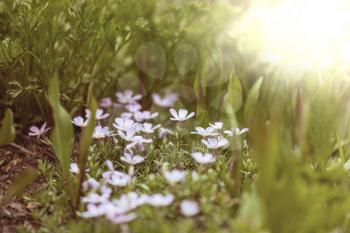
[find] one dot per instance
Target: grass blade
(252, 100)
(7, 130)
(21, 181)
(62, 133)
(234, 97)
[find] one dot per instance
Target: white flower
(210, 131)
(130, 201)
(135, 140)
(181, 116)
(91, 183)
(92, 211)
(105, 189)
(74, 168)
(160, 200)
(138, 144)
(163, 131)
(189, 208)
(96, 198)
(149, 128)
(100, 132)
(35, 131)
(122, 218)
(135, 107)
(100, 115)
(109, 164)
(240, 131)
(228, 132)
(174, 176)
(115, 139)
(110, 209)
(203, 158)
(215, 143)
(145, 115)
(126, 115)
(123, 124)
(166, 102)
(80, 122)
(217, 125)
(236, 131)
(130, 134)
(106, 102)
(132, 159)
(245, 144)
(116, 210)
(116, 178)
(140, 139)
(127, 97)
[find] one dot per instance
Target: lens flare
(303, 34)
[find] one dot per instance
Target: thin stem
(21, 148)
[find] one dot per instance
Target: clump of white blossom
(136, 129)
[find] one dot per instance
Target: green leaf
(199, 87)
(21, 181)
(85, 143)
(252, 99)
(250, 215)
(233, 99)
(87, 136)
(200, 92)
(62, 133)
(7, 130)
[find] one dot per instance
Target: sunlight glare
(301, 33)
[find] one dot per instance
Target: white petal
(182, 113)
(190, 115)
(174, 113)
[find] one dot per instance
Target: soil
(24, 152)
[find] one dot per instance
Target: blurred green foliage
(124, 44)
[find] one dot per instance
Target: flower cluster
(213, 139)
(135, 130)
(99, 201)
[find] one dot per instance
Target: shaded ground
(24, 152)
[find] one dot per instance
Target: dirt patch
(23, 153)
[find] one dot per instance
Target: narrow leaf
(234, 93)
(252, 99)
(200, 92)
(250, 214)
(7, 130)
(62, 133)
(21, 181)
